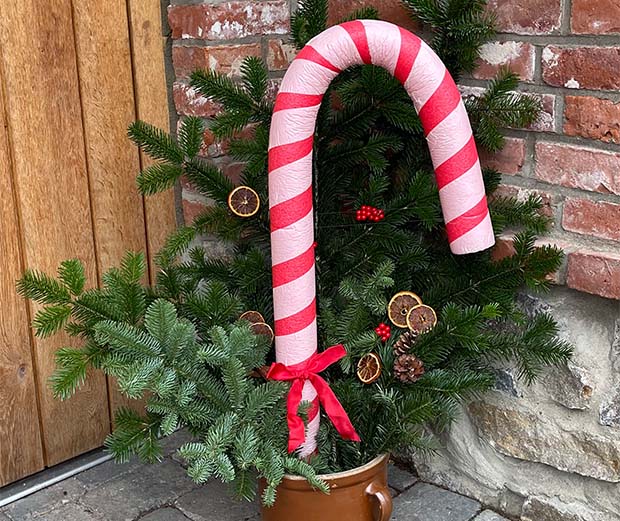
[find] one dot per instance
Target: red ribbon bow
(308, 370)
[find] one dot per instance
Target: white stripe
(477, 239)
(462, 194)
(384, 42)
(290, 242)
(290, 180)
(449, 136)
(292, 297)
(425, 77)
(306, 77)
(295, 348)
(337, 47)
(292, 125)
(312, 430)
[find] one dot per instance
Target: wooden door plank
(148, 45)
(21, 451)
(106, 85)
(44, 121)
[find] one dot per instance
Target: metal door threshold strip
(48, 477)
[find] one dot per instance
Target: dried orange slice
(369, 368)
(260, 328)
(253, 317)
(421, 318)
(400, 305)
(243, 201)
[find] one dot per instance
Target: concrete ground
(162, 492)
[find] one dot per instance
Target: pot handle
(383, 496)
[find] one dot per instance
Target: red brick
(595, 17)
(595, 272)
(582, 67)
(594, 118)
(599, 219)
(389, 10)
(504, 247)
(578, 167)
(234, 171)
(189, 102)
(226, 59)
(519, 57)
(522, 194)
(546, 120)
(280, 54)
(527, 16)
(193, 205)
(229, 20)
(509, 160)
(211, 147)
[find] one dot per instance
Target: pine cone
(404, 343)
(408, 368)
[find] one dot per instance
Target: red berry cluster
(369, 213)
(383, 330)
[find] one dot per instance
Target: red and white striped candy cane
(451, 144)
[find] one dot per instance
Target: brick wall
(566, 52)
(220, 35)
(569, 53)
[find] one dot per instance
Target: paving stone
(38, 505)
(489, 515)
(3, 517)
(174, 441)
(400, 479)
(424, 502)
(212, 502)
(164, 514)
(127, 496)
(103, 473)
(70, 512)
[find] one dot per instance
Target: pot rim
(346, 473)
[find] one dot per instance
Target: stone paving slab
(40, 504)
(164, 514)
(489, 515)
(163, 492)
(128, 495)
(69, 512)
(212, 502)
(400, 479)
(92, 478)
(424, 502)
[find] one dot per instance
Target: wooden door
(73, 75)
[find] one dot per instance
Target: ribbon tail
(334, 409)
(296, 427)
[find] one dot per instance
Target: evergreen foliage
(178, 343)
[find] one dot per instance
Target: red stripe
(441, 104)
(314, 409)
(311, 54)
(296, 322)
(459, 226)
(458, 164)
(290, 211)
(357, 32)
(283, 155)
(292, 100)
(294, 268)
(409, 49)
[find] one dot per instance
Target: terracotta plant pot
(360, 494)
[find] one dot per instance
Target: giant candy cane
(452, 148)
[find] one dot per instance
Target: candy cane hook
(450, 140)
